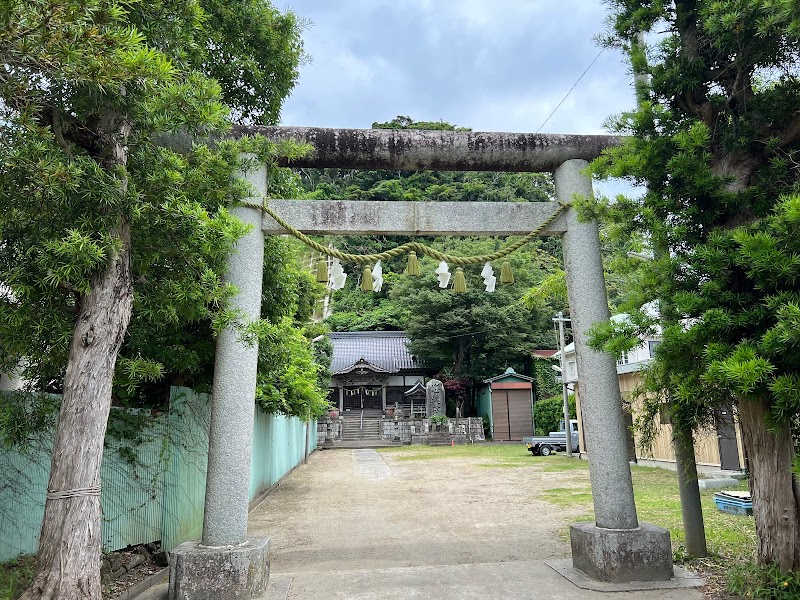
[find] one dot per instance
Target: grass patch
(558, 464)
(763, 582)
(655, 490)
(731, 539)
(15, 576)
(503, 456)
(568, 497)
(658, 502)
(506, 453)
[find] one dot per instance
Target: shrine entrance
(363, 397)
(616, 547)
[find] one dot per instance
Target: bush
(548, 413)
(486, 426)
(438, 419)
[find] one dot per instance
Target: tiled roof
(384, 349)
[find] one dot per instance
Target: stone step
(360, 434)
(438, 439)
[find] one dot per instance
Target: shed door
(520, 416)
(511, 414)
(500, 430)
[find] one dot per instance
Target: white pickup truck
(556, 440)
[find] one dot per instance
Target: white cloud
(492, 65)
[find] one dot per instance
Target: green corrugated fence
(278, 446)
(153, 488)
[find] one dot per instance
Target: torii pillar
(616, 548)
(227, 564)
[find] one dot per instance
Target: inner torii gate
(616, 548)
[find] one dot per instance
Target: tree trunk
(775, 502)
(68, 563)
(694, 530)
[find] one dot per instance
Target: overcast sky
(491, 65)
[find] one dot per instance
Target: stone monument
(434, 398)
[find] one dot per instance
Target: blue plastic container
(733, 505)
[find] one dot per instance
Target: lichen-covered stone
(219, 573)
(415, 149)
(622, 555)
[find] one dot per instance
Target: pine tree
(716, 141)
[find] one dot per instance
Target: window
(624, 359)
(651, 346)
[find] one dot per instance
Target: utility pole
(564, 392)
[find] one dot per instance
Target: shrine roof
(386, 350)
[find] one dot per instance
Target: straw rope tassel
(366, 279)
(322, 270)
(506, 274)
(412, 269)
(459, 282)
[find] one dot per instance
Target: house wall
(706, 446)
(639, 354)
(705, 442)
(483, 403)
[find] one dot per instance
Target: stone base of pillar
(622, 555)
(219, 573)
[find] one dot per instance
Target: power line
(574, 85)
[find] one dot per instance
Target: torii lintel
(417, 149)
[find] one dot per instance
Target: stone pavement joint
(479, 581)
(368, 464)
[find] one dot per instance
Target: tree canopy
(716, 142)
(100, 222)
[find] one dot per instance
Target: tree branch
(58, 132)
(692, 101)
(791, 132)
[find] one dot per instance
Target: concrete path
(483, 581)
(363, 525)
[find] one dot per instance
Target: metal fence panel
(153, 488)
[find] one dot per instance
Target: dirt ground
(366, 525)
(368, 510)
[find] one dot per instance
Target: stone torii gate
(616, 548)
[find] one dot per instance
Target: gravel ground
(362, 525)
(368, 510)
